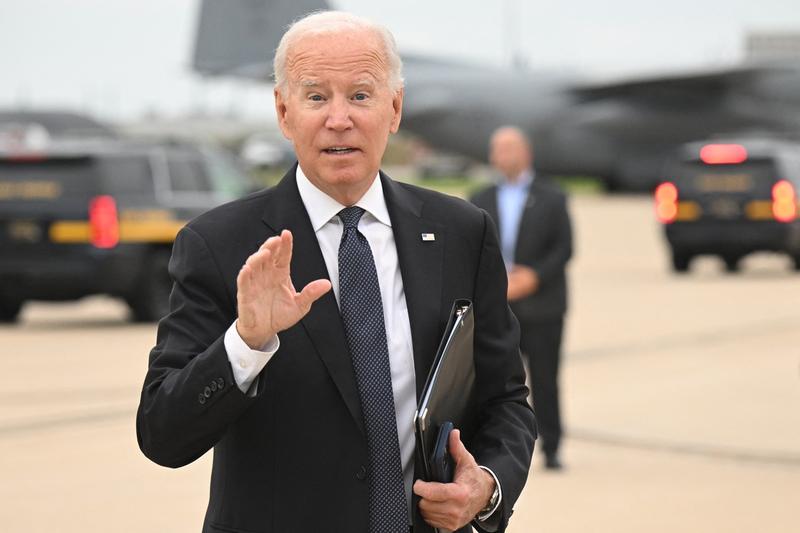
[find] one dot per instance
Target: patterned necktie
(362, 314)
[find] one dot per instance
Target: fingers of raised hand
(269, 264)
(283, 256)
(280, 248)
(243, 282)
(249, 275)
(261, 261)
(258, 271)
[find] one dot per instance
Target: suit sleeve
(190, 397)
(552, 263)
(506, 429)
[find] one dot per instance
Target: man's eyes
(359, 97)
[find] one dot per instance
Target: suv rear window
(126, 174)
(74, 178)
(755, 177)
(47, 179)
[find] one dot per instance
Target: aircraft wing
(239, 37)
(673, 91)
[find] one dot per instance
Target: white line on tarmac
(689, 340)
(683, 448)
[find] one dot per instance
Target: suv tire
(681, 261)
(9, 310)
(150, 301)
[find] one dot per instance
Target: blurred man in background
(536, 242)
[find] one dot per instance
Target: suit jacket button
(220, 383)
(361, 475)
(207, 392)
(213, 386)
(201, 399)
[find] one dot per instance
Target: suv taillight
(103, 221)
(666, 202)
(723, 154)
(784, 203)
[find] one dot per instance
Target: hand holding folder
(447, 394)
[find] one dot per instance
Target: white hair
(331, 22)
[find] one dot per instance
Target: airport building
(761, 46)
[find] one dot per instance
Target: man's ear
(397, 106)
(280, 111)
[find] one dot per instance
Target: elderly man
(536, 239)
(307, 394)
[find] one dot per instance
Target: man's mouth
(339, 150)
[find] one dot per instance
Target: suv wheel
(150, 302)
(680, 261)
(731, 263)
(9, 310)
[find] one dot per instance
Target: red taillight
(103, 221)
(723, 154)
(666, 202)
(784, 203)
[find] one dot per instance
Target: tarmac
(681, 402)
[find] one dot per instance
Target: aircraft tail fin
(239, 37)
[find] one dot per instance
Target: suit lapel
(323, 323)
(527, 222)
(421, 262)
(493, 209)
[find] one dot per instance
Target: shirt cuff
(482, 517)
(247, 363)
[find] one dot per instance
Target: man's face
(509, 153)
(338, 110)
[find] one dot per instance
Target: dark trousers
(540, 342)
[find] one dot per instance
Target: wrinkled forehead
(313, 59)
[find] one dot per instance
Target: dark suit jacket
(544, 243)
(292, 458)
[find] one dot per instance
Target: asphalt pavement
(681, 402)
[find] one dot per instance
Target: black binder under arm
(450, 385)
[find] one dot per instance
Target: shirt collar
(322, 208)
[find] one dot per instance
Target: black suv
(731, 198)
(88, 217)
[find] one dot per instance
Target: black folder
(448, 390)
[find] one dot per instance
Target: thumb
(458, 451)
(311, 293)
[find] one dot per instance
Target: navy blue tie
(362, 314)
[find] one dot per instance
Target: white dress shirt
(511, 199)
(376, 226)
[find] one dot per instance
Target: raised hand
(267, 300)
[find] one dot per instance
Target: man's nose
(339, 115)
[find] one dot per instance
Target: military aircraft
(621, 132)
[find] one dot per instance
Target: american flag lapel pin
(428, 237)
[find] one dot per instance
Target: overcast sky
(121, 58)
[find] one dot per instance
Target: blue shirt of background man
(511, 198)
